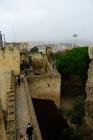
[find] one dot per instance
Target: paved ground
(22, 111)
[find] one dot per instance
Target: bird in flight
(75, 35)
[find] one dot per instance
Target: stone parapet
(45, 87)
(37, 133)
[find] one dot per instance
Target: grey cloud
(46, 19)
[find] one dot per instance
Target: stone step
(11, 105)
(11, 100)
(11, 118)
(11, 90)
(11, 95)
(11, 113)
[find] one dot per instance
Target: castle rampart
(10, 58)
(45, 87)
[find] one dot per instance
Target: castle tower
(48, 52)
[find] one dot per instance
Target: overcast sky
(34, 20)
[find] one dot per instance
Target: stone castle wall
(45, 87)
(10, 58)
(20, 45)
(89, 99)
(5, 77)
(2, 128)
(37, 134)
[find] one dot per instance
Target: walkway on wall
(22, 111)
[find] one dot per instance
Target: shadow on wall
(73, 86)
(50, 120)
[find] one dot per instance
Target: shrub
(73, 61)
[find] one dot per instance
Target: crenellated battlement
(17, 45)
(14, 45)
(10, 56)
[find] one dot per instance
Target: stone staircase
(11, 131)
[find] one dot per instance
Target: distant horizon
(56, 41)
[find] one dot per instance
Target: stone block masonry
(45, 87)
(2, 128)
(89, 99)
(10, 58)
(5, 78)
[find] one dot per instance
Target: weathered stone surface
(37, 133)
(10, 59)
(22, 111)
(89, 100)
(45, 81)
(90, 52)
(45, 87)
(2, 128)
(25, 112)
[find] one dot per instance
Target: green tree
(34, 49)
(72, 133)
(77, 133)
(73, 61)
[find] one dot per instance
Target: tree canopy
(34, 49)
(73, 61)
